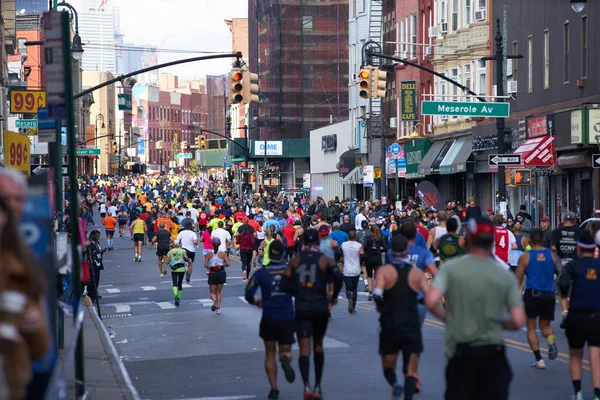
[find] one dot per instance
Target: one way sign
(498, 159)
(42, 169)
(595, 160)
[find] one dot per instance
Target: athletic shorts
(392, 342)
(102, 215)
(110, 233)
(217, 279)
(257, 243)
(191, 254)
(277, 330)
(122, 223)
(311, 326)
(138, 237)
(371, 267)
(539, 304)
(583, 327)
(162, 251)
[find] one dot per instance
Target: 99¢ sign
(17, 151)
(27, 101)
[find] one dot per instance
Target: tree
(193, 168)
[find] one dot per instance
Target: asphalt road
(190, 352)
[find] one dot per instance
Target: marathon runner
(138, 227)
(188, 241)
(215, 262)
(109, 223)
(352, 251)
(163, 245)
(177, 259)
(450, 244)
(504, 240)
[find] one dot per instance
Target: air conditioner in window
(444, 118)
(480, 15)
(429, 128)
(511, 86)
(428, 51)
(432, 31)
(444, 28)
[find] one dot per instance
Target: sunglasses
(510, 221)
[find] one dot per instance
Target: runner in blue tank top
(539, 265)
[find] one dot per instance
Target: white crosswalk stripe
(165, 305)
(147, 288)
(112, 290)
(122, 308)
(206, 302)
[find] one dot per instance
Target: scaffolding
(302, 64)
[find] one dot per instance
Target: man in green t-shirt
(178, 260)
(478, 291)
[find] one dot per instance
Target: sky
(196, 25)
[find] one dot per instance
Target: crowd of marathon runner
(459, 263)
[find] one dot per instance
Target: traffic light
(115, 148)
(235, 86)
(379, 83)
(250, 87)
(159, 145)
(197, 142)
(522, 177)
(365, 76)
(184, 145)
(202, 142)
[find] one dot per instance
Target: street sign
(47, 135)
(395, 149)
(595, 160)
(377, 173)
(41, 169)
(87, 151)
(465, 109)
(497, 159)
(226, 165)
(124, 101)
(237, 159)
(183, 155)
(248, 170)
(17, 151)
(55, 58)
(26, 101)
(26, 123)
(225, 158)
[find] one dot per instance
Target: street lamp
(99, 117)
(76, 47)
(578, 5)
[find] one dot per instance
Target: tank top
(502, 243)
(585, 291)
(449, 247)
(260, 235)
(310, 295)
(215, 262)
(399, 309)
(325, 247)
(540, 271)
(266, 259)
(518, 238)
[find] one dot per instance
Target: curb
(129, 391)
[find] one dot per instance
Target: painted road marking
(165, 305)
(206, 302)
(147, 288)
(186, 285)
(242, 298)
(112, 290)
(242, 397)
(122, 308)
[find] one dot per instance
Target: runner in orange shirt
(109, 223)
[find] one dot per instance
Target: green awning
(415, 151)
(456, 159)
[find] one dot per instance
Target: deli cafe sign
(540, 126)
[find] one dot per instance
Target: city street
(190, 352)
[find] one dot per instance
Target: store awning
(355, 177)
(414, 152)
(537, 152)
(456, 159)
(574, 161)
(347, 162)
(431, 156)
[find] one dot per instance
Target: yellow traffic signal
(202, 142)
(159, 145)
(365, 76)
(235, 86)
(115, 148)
(250, 87)
(184, 145)
(379, 83)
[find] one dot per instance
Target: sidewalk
(105, 375)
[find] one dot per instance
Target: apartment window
(442, 11)
(353, 9)
(584, 47)
(361, 6)
(515, 51)
(481, 79)
(546, 59)
(467, 76)
(21, 46)
(481, 5)
(454, 76)
(467, 16)
(454, 20)
(530, 63)
(413, 35)
(307, 23)
(566, 50)
(403, 38)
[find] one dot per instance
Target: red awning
(537, 152)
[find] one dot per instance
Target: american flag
(102, 4)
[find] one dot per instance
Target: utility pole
(498, 58)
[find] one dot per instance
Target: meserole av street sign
(465, 109)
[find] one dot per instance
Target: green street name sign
(465, 109)
(26, 123)
(88, 151)
(183, 155)
(237, 159)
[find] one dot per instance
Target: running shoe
(397, 391)
(273, 394)
(539, 364)
(370, 296)
(552, 348)
(366, 288)
(317, 393)
(308, 394)
(189, 282)
(176, 300)
(214, 306)
(218, 311)
(350, 308)
(290, 374)
(418, 385)
(578, 396)
(162, 275)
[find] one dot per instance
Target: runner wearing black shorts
(307, 276)
(163, 245)
(277, 323)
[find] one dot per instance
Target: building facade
(31, 6)
(97, 30)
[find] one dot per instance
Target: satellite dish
(22, 11)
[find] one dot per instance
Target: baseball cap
(311, 236)
(239, 218)
(373, 221)
(399, 245)
(276, 251)
(364, 224)
(245, 219)
(336, 224)
(480, 226)
(324, 230)
(569, 215)
(545, 219)
(216, 241)
(489, 209)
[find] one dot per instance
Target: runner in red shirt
(203, 217)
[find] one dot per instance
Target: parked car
(586, 223)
